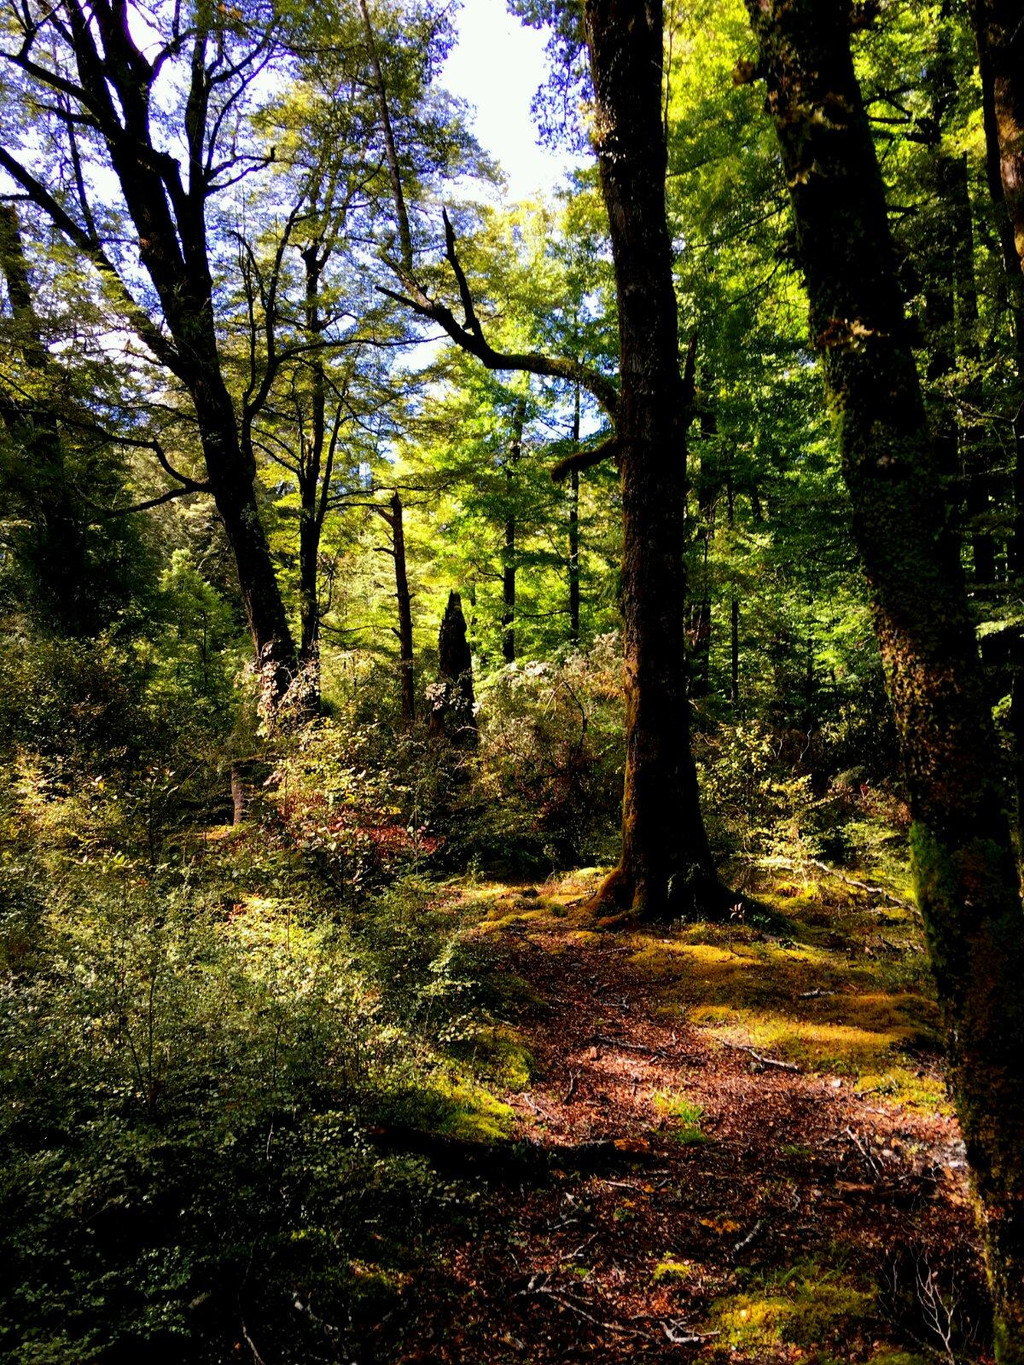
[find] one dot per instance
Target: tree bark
(966, 876)
(999, 28)
(994, 117)
(665, 868)
(734, 614)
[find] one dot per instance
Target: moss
(505, 1058)
(473, 1113)
(671, 1270)
(687, 1117)
(806, 1305)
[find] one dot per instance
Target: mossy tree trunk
(666, 868)
(966, 875)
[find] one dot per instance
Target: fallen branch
(538, 1285)
(839, 876)
(573, 1075)
(759, 1057)
(681, 1335)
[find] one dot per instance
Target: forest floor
(750, 1154)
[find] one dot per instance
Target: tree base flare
(623, 900)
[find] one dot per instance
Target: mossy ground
(751, 1212)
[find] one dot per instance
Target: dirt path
(751, 1208)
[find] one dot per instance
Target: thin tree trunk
(508, 554)
(666, 868)
(404, 613)
(393, 515)
(976, 452)
(966, 875)
(574, 531)
(734, 615)
(999, 28)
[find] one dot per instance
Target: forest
(513, 789)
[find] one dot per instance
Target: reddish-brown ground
(804, 1220)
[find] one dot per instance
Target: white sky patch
(497, 65)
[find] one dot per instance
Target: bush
(192, 1059)
(552, 746)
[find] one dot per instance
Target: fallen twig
(573, 1076)
(865, 1153)
(751, 1237)
(257, 1358)
(582, 1247)
(623, 1046)
(681, 1335)
(541, 1113)
(759, 1057)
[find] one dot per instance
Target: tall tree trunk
(666, 868)
(315, 465)
(966, 876)
(976, 453)
(508, 553)
(734, 614)
(999, 28)
(700, 623)
(992, 61)
(574, 531)
(232, 482)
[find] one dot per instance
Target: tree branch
(585, 459)
(469, 336)
(139, 320)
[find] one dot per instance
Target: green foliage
(192, 1059)
(687, 1117)
(552, 743)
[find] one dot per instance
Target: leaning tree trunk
(666, 868)
(966, 876)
